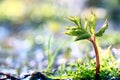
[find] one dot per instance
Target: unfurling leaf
(76, 32)
(67, 28)
(92, 23)
(83, 36)
(72, 28)
(86, 24)
(71, 32)
(102, 30)
(76, 20)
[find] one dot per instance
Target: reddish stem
(93, 40)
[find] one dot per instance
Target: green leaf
(67, 28)
(83, 36)
(71, 32)
(76, 32)
(86, 24)
(92, 23)
(102, 30)
(76, 20)
(72, 28)
(80, 31)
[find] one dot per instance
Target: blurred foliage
(30, 12)
(110, 38)
(112, 8)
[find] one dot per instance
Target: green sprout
(87, 31)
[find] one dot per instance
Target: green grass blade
(52, 58)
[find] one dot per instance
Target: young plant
(87, 31)
(51, 57)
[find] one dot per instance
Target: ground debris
(33, 76)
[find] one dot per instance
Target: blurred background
(27, 25)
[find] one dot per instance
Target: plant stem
(93, 40)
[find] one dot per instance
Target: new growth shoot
(87, 31)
